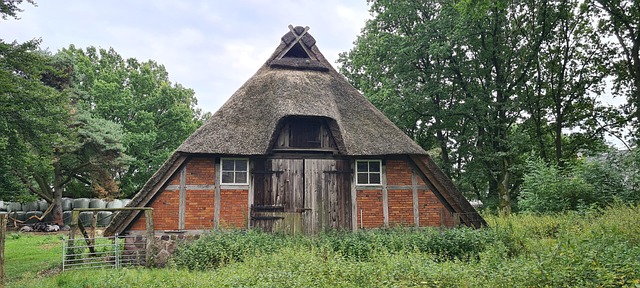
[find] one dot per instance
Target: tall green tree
(621, 21)
(483, 83)
(24, 128)
(155, 114)
(48, 141)
(562, 94)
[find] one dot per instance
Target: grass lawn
(30, 256)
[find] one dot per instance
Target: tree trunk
(58, 182)
(503, 188)
(56, 211)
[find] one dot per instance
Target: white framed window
(368, 172)
(234, 171)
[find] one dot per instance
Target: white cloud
(211, 47)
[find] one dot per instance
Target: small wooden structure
(297, 149)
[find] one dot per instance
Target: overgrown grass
(594, 249)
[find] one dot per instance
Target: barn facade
(297, 149)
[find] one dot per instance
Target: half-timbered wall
(403, 199)
(317, 192)
(188, 201)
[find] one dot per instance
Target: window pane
(241, 165)
(227, 177)
(374, 178)
(362, 166)
(227, 165)
(241, 177)
(363, 178)
(374, 166)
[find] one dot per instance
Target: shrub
(581, 186)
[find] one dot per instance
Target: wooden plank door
(327, 195)
(278, 195)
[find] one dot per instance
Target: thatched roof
(298, 81)
(246, 123)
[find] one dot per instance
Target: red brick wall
(398, 172)
(200, 171)
(400, 207)
(165, 212)
(370, 207)
(431, 211)
(199, 210)
(234, 207)
(199, 203)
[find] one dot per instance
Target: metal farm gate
(99, 252)
(103, 252)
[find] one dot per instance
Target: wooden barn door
(327, 195)
(278, 195)
(296, 195)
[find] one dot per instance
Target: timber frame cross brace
(296, 40)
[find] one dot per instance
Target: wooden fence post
(3, 231)
(148, 215)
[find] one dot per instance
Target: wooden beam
(216, 197)
(446, 192)
(182, 206)
(414, 190)
(3, 233)
(148, 216)
(108, 209)
(156, 187)
(250, 194)
(354, 200)
(385, 196)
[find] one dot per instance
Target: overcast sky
(212, 47)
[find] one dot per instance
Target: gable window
(368, 172)
(304, 133)
(234, 171)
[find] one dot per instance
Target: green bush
(580, 186)
(218, 248)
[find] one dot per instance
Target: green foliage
(547, 189)
(619, 22)
(483, 82)
(25, 130)
(582, 185)
(218, 249)
(9, 8)
(596, 248)
(155, 114)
